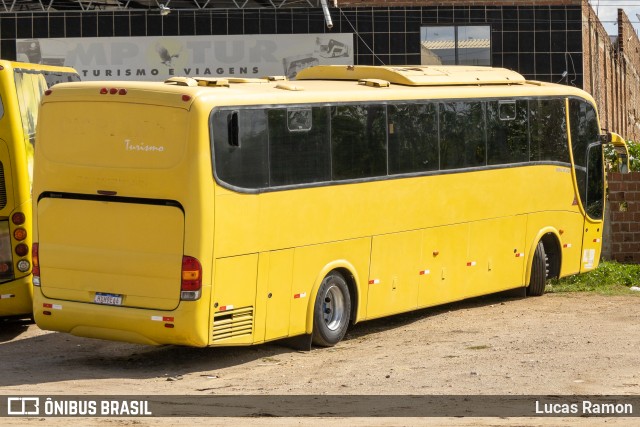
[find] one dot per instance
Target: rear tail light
(19, 234)
(22, 249)
(18, 218)
(191, 287)
(36, 264)
(23, 265)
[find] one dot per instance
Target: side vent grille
(3, 188)
(232, 323)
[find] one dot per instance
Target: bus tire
(331, 311)
(538, 272)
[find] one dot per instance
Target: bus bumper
(183, 326)
(16, 298)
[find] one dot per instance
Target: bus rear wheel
(539, 270)
(332, 311)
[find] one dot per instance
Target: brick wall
(612, 73)
(624, 209)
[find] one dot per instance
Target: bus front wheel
(332, 311)
(539, 270)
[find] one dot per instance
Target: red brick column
(624, 205)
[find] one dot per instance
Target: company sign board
(157, 58)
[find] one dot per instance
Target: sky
(607, 11)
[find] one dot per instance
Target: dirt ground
(556, 344)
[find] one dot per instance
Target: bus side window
(240, 148)
(548, 127)
(299, 150)
(507, 132)
(358, 141)
(413, 138)
(462, 134)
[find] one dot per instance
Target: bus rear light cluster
(113, 91)
(36, 264)
(191, 286)
(20, 234)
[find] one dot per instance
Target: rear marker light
(104, 91)
(22, 249)
(23, 265)
(186, 98)
(20, 234)
(113, 91)
(18, 218)
(168, 325)
(47, 92)
(122, 92)
(46, 313)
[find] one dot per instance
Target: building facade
(550, 40)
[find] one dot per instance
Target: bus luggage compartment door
(106, 252)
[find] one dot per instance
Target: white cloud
(607, 11)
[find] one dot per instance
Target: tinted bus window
(548, 129)
(55, 78)
(29, 88)
(507, 132)
(587, 155)
(462, 135)
(358, 141)
(413, 138)
(299, 145)
(240, 145)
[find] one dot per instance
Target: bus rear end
(112, 214)
(21, 88)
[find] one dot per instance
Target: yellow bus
(214, 212)
(21, 87)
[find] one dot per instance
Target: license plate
(108, 299)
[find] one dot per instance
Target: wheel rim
(333, 307)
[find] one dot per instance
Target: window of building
(456, 45)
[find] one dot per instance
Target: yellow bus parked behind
(206, 212)
(22, 86)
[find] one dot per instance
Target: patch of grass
(610, 278)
